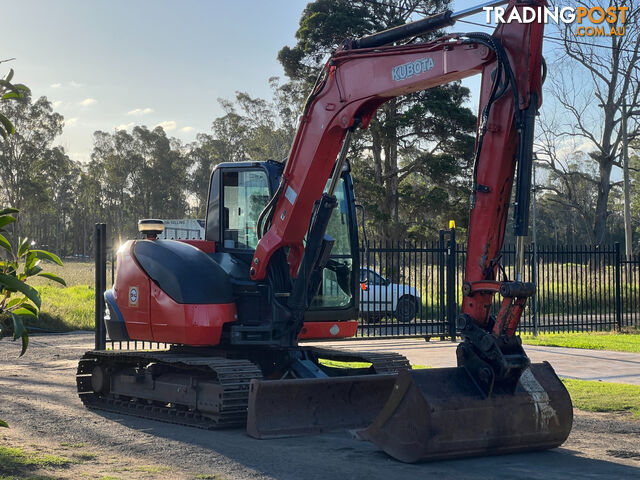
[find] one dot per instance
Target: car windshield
(371, 277)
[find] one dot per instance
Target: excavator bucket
(285, 408)
(441, 413)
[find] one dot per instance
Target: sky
(118, 63)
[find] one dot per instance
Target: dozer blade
(441, 413)
(285, 408)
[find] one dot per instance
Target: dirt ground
(38, 400)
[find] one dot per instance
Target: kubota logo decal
(409, 69)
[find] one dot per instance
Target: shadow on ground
(339, 455)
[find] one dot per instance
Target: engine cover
(169, 291)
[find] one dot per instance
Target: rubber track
(234, 375)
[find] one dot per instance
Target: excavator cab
(200, 293)
(238, 194)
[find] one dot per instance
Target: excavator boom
(499, 401)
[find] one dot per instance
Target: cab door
(338, 298)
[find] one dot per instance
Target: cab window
(335, 290)
(245, 194)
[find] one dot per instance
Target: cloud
(88, 101)
(55, 85)
(57, 103)
(167, 125)
(124, 126)
(140, 111)
(75, 84)
(71, 122)
(570, 147)
(186, 129)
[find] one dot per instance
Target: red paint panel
(130, 275)
(317, 330)
(188, 324)
(206, 246)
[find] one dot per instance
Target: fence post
(451, 284)
(534, 280)
(100, 284)
(618, 289)
(442, 303)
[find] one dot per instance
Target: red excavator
(280, 260)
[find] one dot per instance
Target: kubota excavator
(280, 259)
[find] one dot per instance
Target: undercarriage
(209, 388)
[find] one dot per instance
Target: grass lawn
(65, 309)
(69, 308)
(35, 463)
(604, 396)
(339, 364)
(621, 342)
(17, 463)
(74, 273)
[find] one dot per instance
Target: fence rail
(578, 288)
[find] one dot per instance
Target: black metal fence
(579, 288)
(415, 289)
(408, 289)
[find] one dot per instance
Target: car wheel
(407, 308)
(369, 317)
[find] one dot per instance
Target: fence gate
(408, 290)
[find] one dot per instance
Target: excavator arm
(495, 401)
(358, 79)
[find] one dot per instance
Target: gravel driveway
(38, 399)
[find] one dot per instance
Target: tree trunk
(390, 172)
(604, 187)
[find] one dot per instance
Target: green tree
(570, 188)
(9, 91)
(203, 155)
(35, 174)
(136, 175)
(36, 126)
(258, 129)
